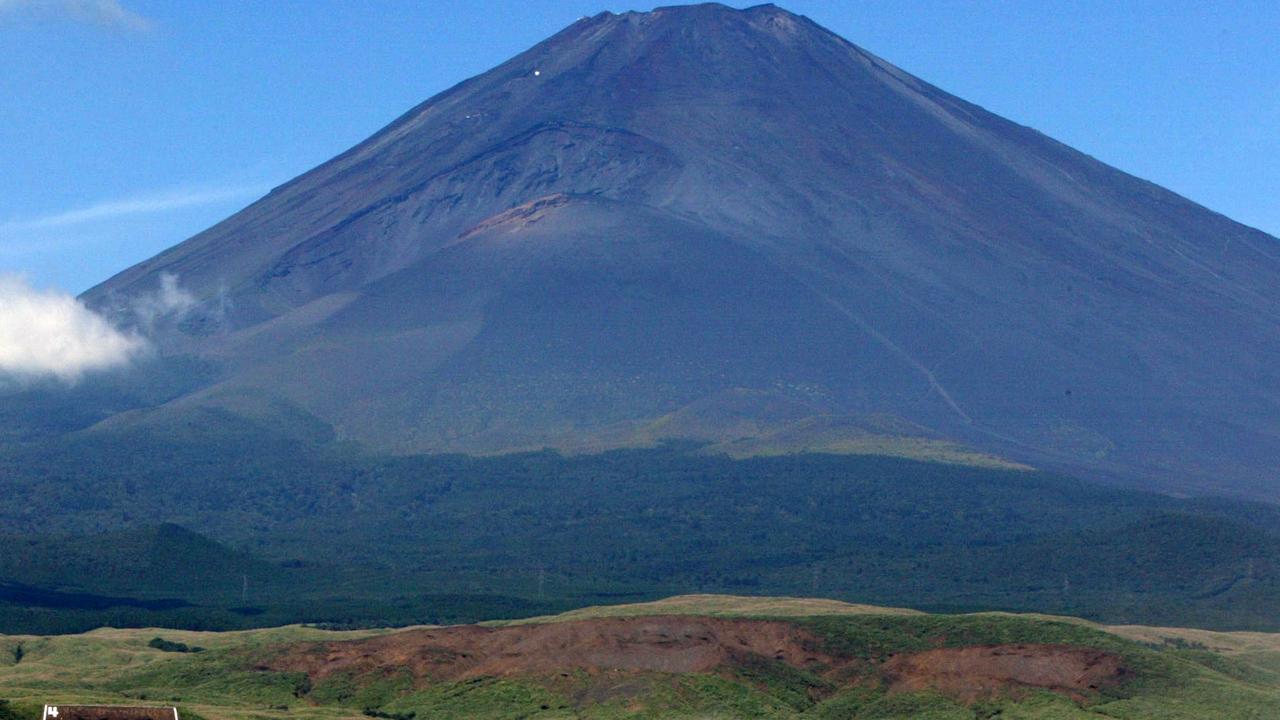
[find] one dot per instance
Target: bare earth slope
(652, 211)
(688, 644)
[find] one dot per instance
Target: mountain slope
(651, 210)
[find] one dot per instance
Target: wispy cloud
(139, 205)
(108, 14)
(170, 300)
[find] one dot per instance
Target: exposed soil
(689, 644)
(520, 216)
(661, 644)
(971, 673)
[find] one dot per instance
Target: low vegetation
(9, 712)
(861, 662)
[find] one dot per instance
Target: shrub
(163, 645)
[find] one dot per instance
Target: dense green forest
(168, 531)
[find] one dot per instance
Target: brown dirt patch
(972, 673)
(520, 216)
(690, 644)
(660, 644)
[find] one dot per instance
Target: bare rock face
(656, 211)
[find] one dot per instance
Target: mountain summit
(733, 226)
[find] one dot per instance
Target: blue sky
(128, 125)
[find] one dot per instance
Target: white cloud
(170, 300)
(46, 333)
(140, 205)
(108, 14)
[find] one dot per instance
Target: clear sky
(128, 125)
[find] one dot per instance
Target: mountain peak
(692, 25)
(647, 210)
(767, 17)
(704, 10)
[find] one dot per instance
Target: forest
(168, 532)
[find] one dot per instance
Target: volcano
(735, 227)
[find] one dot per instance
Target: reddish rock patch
(660, 644)
(971, 673)
(520, 216)
(687, 644)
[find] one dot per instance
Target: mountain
(737, 219)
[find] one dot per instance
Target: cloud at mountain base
(50, 334)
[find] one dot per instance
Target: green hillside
(855, 662)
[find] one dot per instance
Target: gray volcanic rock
(650, 211)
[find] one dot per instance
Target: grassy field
(723, 606)
(1175, 673)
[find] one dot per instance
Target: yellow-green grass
(923, 449)
(86, 668)
(720, 606)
